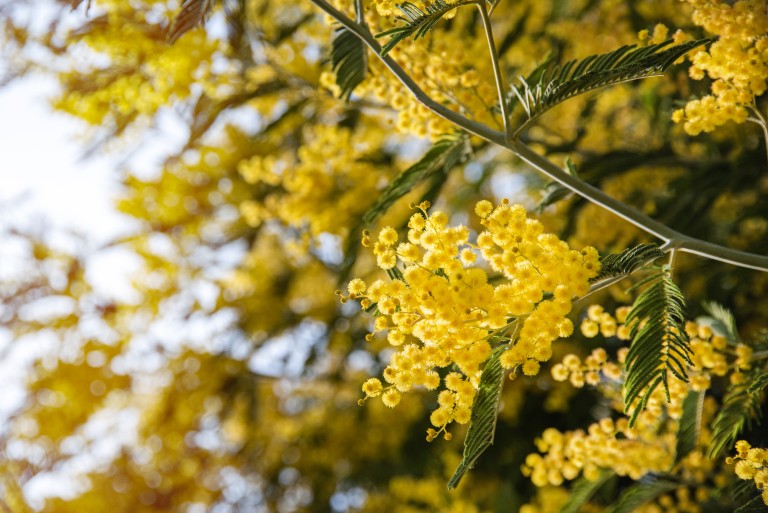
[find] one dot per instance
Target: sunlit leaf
(485, 412)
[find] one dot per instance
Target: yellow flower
(372, 387)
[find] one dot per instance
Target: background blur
(176, 218)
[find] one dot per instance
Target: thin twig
(359, 12)
(760, 120)
(672, 256)
(496, 67)
(672, 238)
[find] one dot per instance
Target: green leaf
(549, 85)
(759, 382)
(640, 493)
(417, 22)
(756, 505)
(395, 274)
(192, 14)
(348, 58)
(741, 405)
(724, 322)
(626, 262)
(442, 156)
(485, 412)
(690, 424)
(583, 490)
(660, 344)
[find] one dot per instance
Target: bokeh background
(175, 219)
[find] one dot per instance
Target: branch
(496, 67)
(672, 238)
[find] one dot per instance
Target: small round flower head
(356, 286)
(531, 367)
(387, 236)
(483, 208)
(391, 397)
(589, 328)
(560, 372)
(372, 387)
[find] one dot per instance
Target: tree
(232, 381)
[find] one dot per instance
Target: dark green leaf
(640, 493)
(549, 85)
(442, 156)
(583, 490)
(626, 262)
(741, 405)
(417, 22)
(690, 424)
(660, 345)
(348, 58)
(758, 382)
(485, 411)
(756, 505)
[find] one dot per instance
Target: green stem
(760, 120)
(496, 67)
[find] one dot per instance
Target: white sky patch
(41, 170)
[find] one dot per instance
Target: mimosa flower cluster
(751, 464)
(441, 309)
(606, 444)
(322, 187)
(737, 63)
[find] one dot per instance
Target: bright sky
(41, 170)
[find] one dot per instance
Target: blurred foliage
(229, 381)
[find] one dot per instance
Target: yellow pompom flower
(391, 397)
(356, 286)
(531, 367)
(388, 236)
(372, 387)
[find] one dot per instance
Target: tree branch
(672, 238)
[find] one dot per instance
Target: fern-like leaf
(192, 14)
(583, 490)
(446, 153)
(417, 22)
(640, 493)
(724, 322)
(741, 406)
(485, 412)
(626, 262)
(690, 424)
(550, 85)
(348, 59)
(660, 345)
